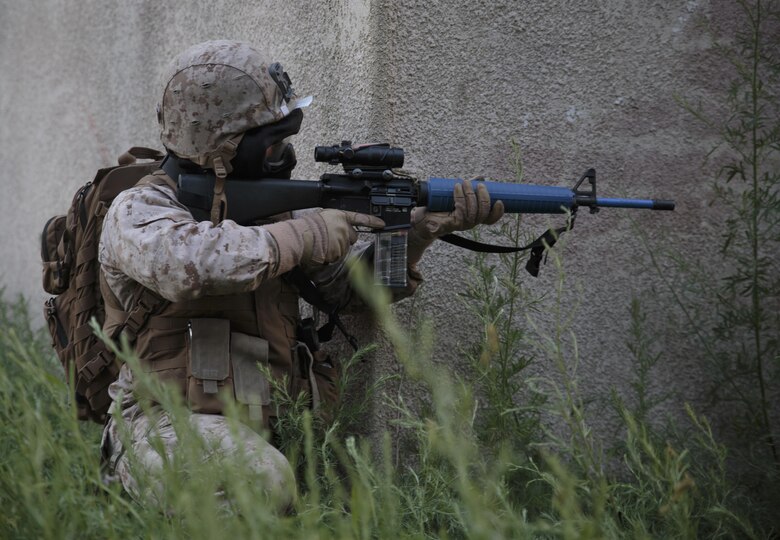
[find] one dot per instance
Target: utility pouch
(250, 384)
(209, 363)
(54, 319)
(55, 271)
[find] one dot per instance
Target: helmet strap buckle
(221, 164)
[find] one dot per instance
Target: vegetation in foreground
(494, 454)
(491, 470)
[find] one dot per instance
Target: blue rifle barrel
(532, 199)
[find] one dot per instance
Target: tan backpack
(71, 272)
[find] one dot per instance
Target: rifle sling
(311, 294)
(537, 247)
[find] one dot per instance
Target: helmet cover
(214, 92)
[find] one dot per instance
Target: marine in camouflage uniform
(221, 301)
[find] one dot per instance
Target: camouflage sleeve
(150, 238)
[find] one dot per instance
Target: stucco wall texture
(577, 84)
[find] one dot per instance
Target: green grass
(495, 452)
(463, 478)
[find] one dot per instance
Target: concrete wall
(577, 84)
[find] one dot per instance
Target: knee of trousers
(279, 479)
(222, 441)
(262, 458)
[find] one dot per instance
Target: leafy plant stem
(757, 308)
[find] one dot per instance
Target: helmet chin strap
(249, 158)
(221, 165)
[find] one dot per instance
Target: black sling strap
(537, 247)
(311, 294)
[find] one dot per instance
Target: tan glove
(318, 238)
(472, 208)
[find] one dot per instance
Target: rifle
(371, 185)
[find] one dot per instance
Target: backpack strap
(158, 178)
(102, 362)
(145, 304)
(139, 152)
(145, 301)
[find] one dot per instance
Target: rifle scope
(360, 155)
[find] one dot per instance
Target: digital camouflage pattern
(139, 466)
(213, 92)
(149, 238)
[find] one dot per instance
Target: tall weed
(500, 454)
(733, 311)
(743, 344)
(466, 481)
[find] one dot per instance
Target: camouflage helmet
(213, 93)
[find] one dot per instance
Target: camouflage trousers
(133, 447)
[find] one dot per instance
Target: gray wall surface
(577, 84)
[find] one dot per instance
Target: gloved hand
(472, 208)
(318, 238)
